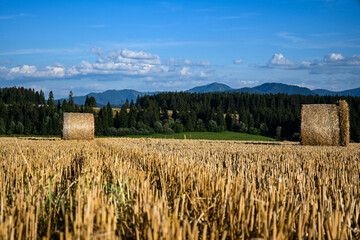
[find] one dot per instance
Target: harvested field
(177, 189)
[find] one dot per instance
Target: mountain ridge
(212, 87)
(118, 97)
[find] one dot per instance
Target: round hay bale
(78, 126)
(320, 125)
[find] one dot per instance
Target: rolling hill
(212, 87)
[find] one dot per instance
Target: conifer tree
(50, 101)
(110, 115)
(123, 117)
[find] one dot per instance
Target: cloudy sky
(91, 46)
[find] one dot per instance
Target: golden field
(177, 189)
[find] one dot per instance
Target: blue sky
(91, 46)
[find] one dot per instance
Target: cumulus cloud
(119, 63)
(237, 61)
(332, 63)
(185, 71)
(333, 57)
(137, 55)
(279, 61)
(32, 71)
(335, 63)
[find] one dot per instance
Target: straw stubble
(177, 189)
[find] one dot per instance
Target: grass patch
(208, 136)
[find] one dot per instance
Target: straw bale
(344, 122)
(78, 126)
(320, 125)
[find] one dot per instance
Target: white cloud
(132, 57)
(279, 61)
(55, 71)
(238, 61)
(32, 71)
(333, 57)
(333, 63)
(110, 65)
(26, 69)
(138, 55)
(185, 71)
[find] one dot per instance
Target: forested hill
(21, 96)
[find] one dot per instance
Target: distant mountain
(275, 88)
(212, 87)
(248, 90)
(352, 92)
(115, 97)
(118, 97)
(323, 92)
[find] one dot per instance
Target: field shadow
(39, 139)
(262, 143)
(271, 143)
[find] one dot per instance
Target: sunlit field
(127, 188)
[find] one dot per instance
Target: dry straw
(325, 124)
(344, 122)
(78, 126)
(113, 188)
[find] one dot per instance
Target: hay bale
(325, 124)
(320, 125)
(344, 122)
(78, 126)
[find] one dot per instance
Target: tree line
(273, 115)
(25, 111)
